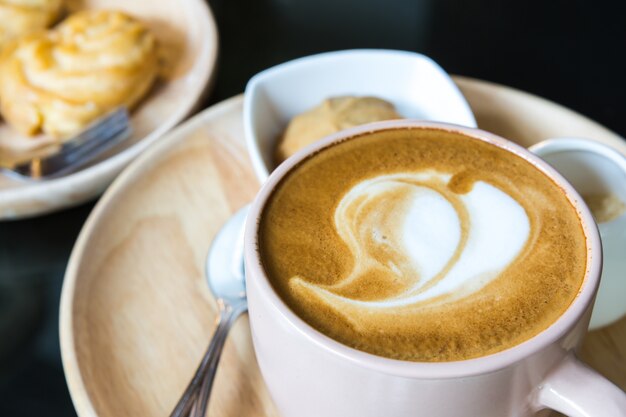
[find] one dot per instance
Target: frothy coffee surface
(423, 245)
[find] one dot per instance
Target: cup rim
(573, 144)
(434, 370)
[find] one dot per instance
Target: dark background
(572, 52)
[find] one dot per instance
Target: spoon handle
(227, 319)
(202, 381)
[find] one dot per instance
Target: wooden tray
(136, 314)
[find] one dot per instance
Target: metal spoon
(226, 278)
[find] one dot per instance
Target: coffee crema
(422, 244)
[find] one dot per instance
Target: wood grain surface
(136, 313)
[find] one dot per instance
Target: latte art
(429, 244)
(423, 245)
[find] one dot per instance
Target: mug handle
(574, 389)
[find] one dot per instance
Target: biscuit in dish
(59, 81)
(332, 115)
(20, 17)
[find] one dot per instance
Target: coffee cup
(310, 374)
(597, 170)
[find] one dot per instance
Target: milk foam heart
(438, 243)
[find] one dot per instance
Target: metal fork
(87, 145)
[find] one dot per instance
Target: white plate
(413, 83)
(187, 34)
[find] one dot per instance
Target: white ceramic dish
(595, 168)
(415, 84)
(187, 34)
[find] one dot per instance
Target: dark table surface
(569, 51)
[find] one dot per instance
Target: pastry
(20, 17)
(605, 207)
(59, 81)
(332, 115)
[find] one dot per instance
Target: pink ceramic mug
(311, 375)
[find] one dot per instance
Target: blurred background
(568, 51)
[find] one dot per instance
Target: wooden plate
(187, 37)
(136, 314)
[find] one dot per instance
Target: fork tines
(83, 148)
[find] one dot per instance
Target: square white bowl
(413, 83)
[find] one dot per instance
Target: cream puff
(57, 82)
(21, 17)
